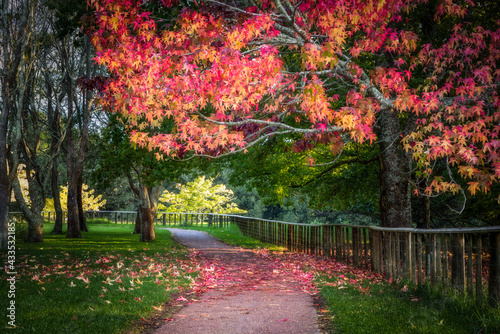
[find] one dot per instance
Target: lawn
(103, 283)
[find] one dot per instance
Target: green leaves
(200, 195)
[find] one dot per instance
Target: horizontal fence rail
(161, 218)
(463, 259)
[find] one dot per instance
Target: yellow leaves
(200, 195)
(380, 4)
(473, 187)
(114, 23)
(90, 201)
(467, 171)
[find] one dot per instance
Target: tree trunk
(423, 218)
(73, 212)
(5, 192)
(137, 228)
(35, 229)
(147, 224)
(14, 42)
(5, 185)
(148, 198)
(81, 215)
(33, 213)
(57, 201)
(73, 169)
(75, 157)
(54, 117)
(395, 164)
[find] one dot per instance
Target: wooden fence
(462, 259)
(465, 259)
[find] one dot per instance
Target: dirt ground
(244, 293)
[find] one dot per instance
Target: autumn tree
(231, 75)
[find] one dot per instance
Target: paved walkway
(249, 294)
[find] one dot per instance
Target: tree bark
(395, 164)
(5, 193)
(147, 224)
(424, 212)
(73, 170)
(74, 157)
(81, 215)
(137, 227)
(12, 50)
(73, 213)
(148, 199)
(54, 187)
(31, 213)
(54, 117)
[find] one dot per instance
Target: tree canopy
(231, 75)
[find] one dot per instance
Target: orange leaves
(248, 67)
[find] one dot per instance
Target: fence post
(410, 258)
(470, 286)
(338, 244)
(494, 277)
(479, 268)
(458, 261)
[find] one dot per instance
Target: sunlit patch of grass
(233, 236)
(98, 284)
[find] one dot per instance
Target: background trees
(43, 111)
(200, 195)
(15, 22)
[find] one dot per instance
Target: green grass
(99, 284)
(396, 308)
(99, 221)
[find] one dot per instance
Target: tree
(20, 133)
(231, 75)
(199, 196)
(145, 174)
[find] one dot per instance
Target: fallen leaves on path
(275, 271)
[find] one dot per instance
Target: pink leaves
(83, 279)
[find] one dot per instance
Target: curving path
(253, 295)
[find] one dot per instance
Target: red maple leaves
(212, 73)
